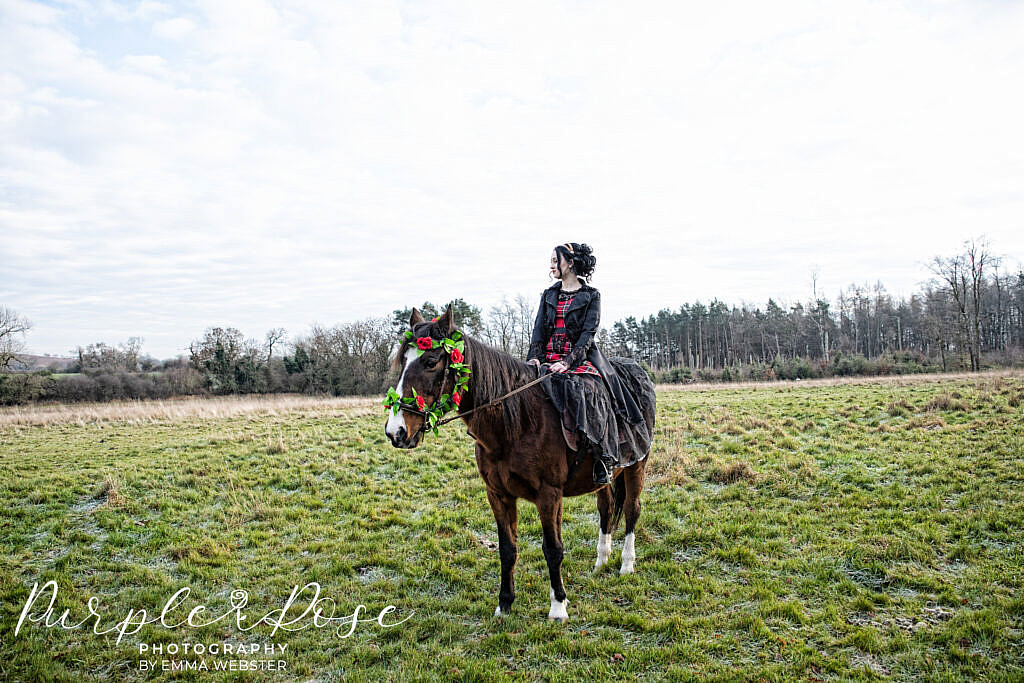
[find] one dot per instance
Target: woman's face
(559, 265)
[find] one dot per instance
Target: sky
(166, 167)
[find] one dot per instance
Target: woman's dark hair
(581, 257)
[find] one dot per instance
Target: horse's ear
(447, 321)
(416, 318)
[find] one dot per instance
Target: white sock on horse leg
(628, 555)
(558, 610)
(604, 549)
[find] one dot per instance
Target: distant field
(169, 410)
(812, 530)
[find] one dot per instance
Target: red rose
(457, 356)
(421, 403)
(457, 398)
(425, 343)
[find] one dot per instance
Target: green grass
(855, 531)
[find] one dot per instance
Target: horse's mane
(494, 373)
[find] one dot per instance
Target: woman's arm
(537, 340)
(587, 334)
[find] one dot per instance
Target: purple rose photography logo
(255, 655)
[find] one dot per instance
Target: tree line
(970, 314)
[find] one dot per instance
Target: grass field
(863, 530)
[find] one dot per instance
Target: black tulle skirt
(585, 401)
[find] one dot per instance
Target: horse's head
(426, 382)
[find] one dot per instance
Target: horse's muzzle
(400, 439)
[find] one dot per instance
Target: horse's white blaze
(557, 610)
(396, 421)
(628, 555)
(604, 549)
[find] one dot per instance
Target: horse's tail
(619, 493)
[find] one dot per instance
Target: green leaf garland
(435, 412)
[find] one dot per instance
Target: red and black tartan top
(559, 345)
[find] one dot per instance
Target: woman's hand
(534, 362)
(559, 367)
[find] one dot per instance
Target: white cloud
(176, 28)
(261, 165)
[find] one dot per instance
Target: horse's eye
(431, 363)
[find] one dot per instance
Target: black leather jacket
(582, 319)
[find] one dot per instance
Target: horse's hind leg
(549, 507)
(506, 516)
(604, 533)
(634, 480)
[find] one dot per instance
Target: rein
(445, 420)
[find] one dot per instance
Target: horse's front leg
(549, 507)
(506, 515)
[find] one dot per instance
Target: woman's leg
(597, 421)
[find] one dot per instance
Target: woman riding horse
(586, 390)
(522, 448)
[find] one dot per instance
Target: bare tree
(350, 358)
(951, 272)
(12, 336)
(977, 258)
(273, 337)
(130, 353)
(964, 277)
(500, 328)
(820, 315)
(510, 325)
(102, 356)
(368, 344)
(525, 313)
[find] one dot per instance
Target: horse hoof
(497, 611)
(626, 569)
(558, 612)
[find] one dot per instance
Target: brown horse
(520, 451)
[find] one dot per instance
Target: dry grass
(172, 410)
(727, 474)
(110, 490)
(275, 445)
(948, 402)
(898, 380)
(900, 407)
(755, 423)
(928, 422)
